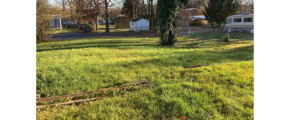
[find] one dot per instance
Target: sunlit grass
(64, 30)
(221, 90)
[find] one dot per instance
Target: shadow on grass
(220, 35)
(90, 45)
(193, 58)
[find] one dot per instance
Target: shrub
(195, 24)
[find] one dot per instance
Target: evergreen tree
(218, 10)
(167, 14)
(127, 8)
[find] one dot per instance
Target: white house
(139, 24)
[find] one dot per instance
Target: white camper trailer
(242, 22)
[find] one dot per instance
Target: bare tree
(42, 20)
(251, 3)
(89, 9)
(246, 5)
(62, 3)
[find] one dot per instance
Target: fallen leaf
(183, 117)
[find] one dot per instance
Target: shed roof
(136, 19)
(118, 18)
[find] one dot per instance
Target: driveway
(78, 35)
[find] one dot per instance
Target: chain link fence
(211, 33)
(186, 31)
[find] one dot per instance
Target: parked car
(88, 29)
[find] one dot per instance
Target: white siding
(139, 25)
(133, 26)
(56, 24)
(142, 25)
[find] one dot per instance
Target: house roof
(197, 16)
(191, 9)
(136, 19)
(118, 18)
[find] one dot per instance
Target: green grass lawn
(113, 30)
(104, 26)
(219, 35)
(64, 29)
(221, 90)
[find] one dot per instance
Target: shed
(55, 22)
(122, 23)
(139, 24)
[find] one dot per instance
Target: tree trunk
(157, 16)
(136, 9)
(149, 15)
(63, 6)
(220, 25)
(107, 16)
(152, 13)
(146, 13)
(133, 10)
(97, 22)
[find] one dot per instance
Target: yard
(223, 89)
(113, 31)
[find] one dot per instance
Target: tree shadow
(181, 58)
(91, 45)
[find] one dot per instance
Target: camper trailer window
(229, 21)
(248, 19)
(237, 19)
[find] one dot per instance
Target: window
(237, 20)
(248, 19)
(191, 12)
(132, 23)
(229, 21)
